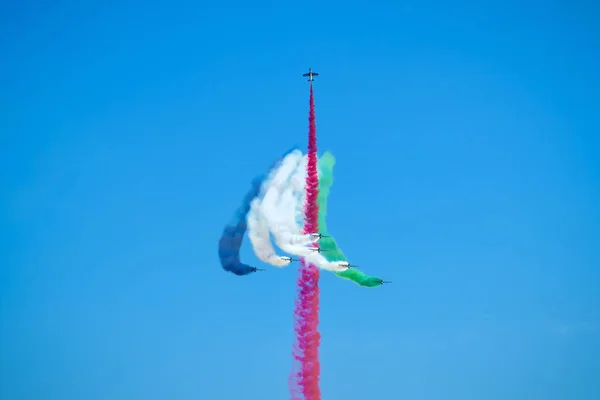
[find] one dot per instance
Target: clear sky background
(467, 139)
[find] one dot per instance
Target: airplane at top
(311, 75)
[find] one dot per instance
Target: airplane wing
(306, 74)
(315, 74)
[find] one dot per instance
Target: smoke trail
(286, 213)
(322, 262)
(278, 210)
(298, 184)
(305, 376)
(230, 242)
(258, 227)
(333, 253)
(258, 233)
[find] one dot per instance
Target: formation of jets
(316, 236)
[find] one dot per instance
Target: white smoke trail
(279, 210)
(258, 230)
(321, 262)
(289, 210)
(258, 233)
(298, 184)
(258, 227)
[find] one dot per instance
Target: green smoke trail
(333, 253)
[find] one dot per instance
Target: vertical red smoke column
(304, 381)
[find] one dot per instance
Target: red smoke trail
(308, 338)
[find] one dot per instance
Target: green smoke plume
(333, 253)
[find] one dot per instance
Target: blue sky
(468, 173)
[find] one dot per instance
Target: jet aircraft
(346, 264)
(311, 75)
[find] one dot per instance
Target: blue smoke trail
(230, 242)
